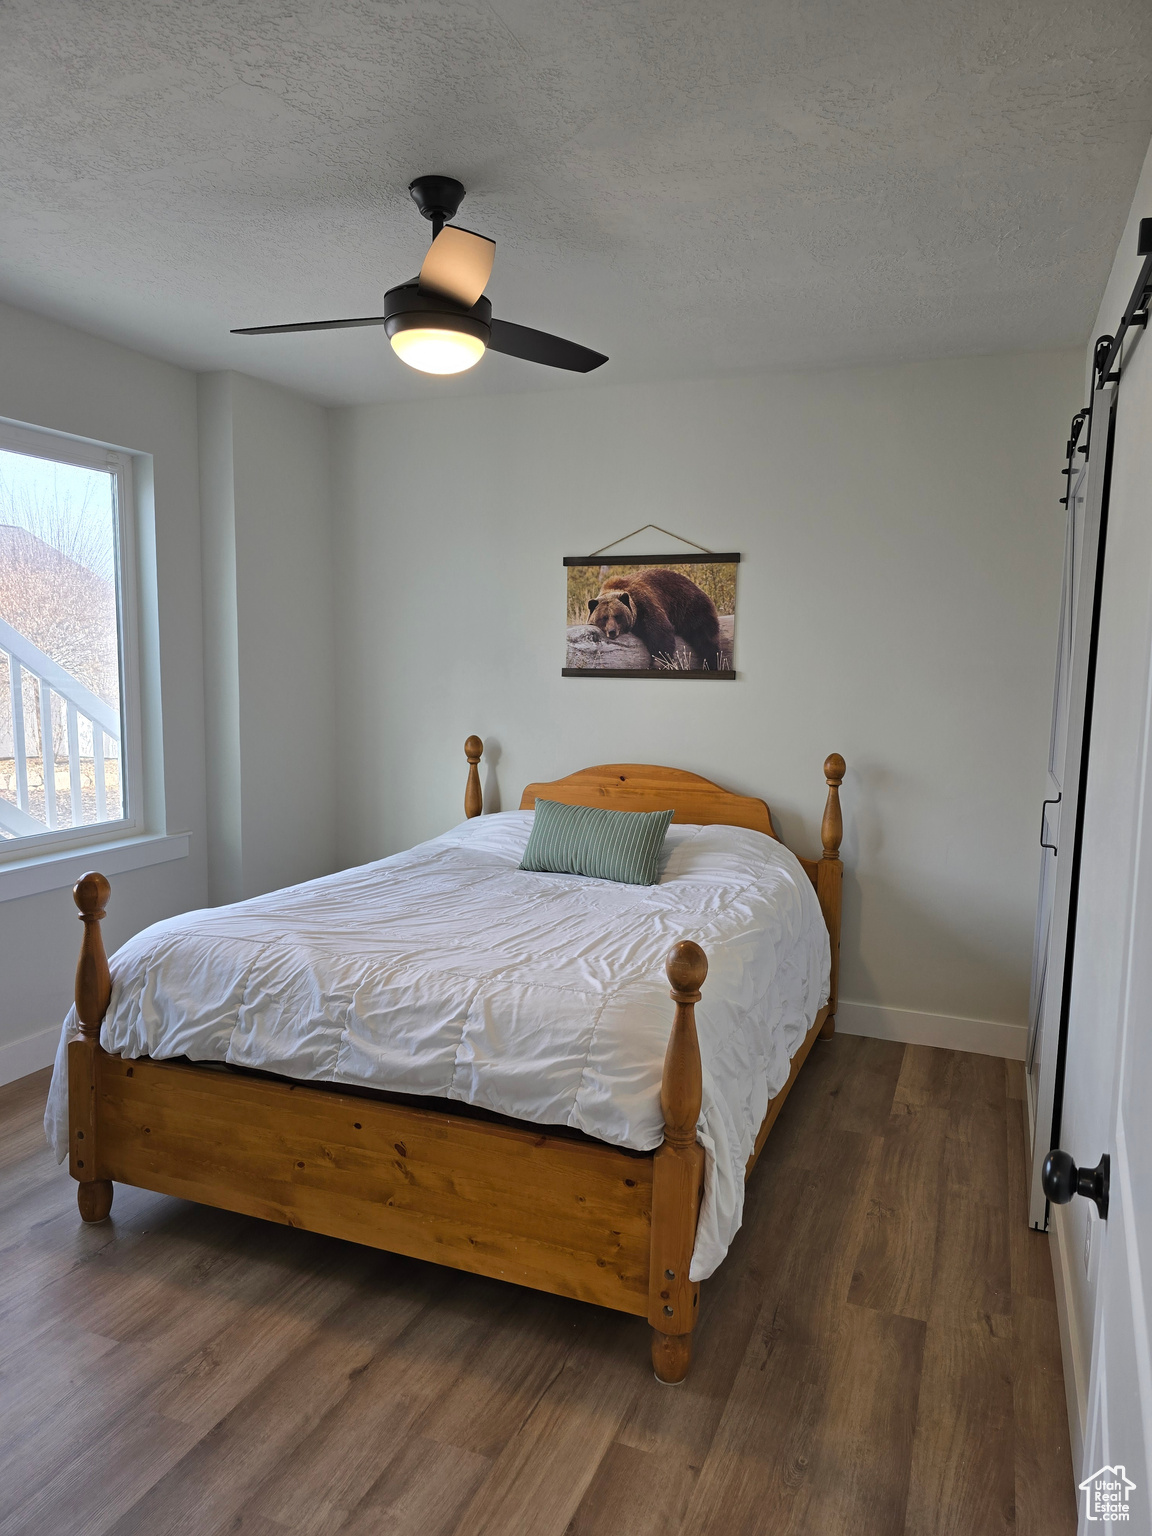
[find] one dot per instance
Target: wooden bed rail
(93, 989)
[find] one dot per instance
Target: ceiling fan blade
(309, 325)
(539, 347)
(458, 265)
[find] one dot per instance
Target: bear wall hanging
(651, 615)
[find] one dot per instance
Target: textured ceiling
(692, 188)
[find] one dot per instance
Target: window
(69, 757)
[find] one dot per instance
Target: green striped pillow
(604, 845)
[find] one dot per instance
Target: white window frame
(40, 443)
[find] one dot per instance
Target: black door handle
(1050, 846)
(1062, 1179)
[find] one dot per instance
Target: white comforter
(448, 971)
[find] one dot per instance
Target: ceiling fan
(440, 322)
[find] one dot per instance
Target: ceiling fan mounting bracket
(437, 198)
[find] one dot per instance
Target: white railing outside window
(91, 731)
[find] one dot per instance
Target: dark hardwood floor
(879, 1354)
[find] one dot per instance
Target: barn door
(1117, 1465)
(1060, 815)
(1117, 1461)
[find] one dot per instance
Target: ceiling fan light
(433, 334)
(432, 350)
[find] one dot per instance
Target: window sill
(57, 871)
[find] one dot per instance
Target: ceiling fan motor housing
(407, 307)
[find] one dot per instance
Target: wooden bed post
(93, 989)
(473, 794)
(830, 879)
(677, 1175)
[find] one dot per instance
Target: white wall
(54, 376)
(898, 598)
(269, 651)
(267, 599)
(221, 637)
(1118, 713)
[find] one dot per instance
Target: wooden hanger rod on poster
(706, 557)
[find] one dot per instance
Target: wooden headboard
(642, 787)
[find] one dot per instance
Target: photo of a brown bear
(657, 605)
(651, 617)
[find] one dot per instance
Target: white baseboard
(983, 1036)
(28, 1054)
(1071, 1345)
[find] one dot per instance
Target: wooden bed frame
(553, 1210)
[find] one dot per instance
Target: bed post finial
(832, 827)
(473, 794)
(93, 989)
(93, 983)
(677, 1175)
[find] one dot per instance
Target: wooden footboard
(574, 1218)
(564, 1216)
